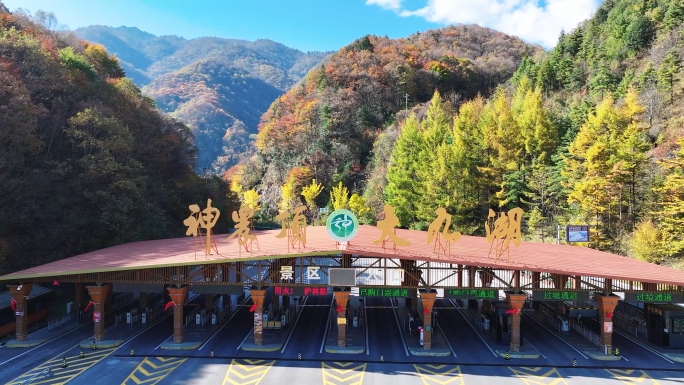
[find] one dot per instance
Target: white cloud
(387, 4)
(534, 21)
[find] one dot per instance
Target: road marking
(401, 332)
(60, 375)
(447, 341)
(327, 326)
(439, 374)
(225, 324)
(244, 371)
(292, 328)
(632, 376)
(537, 376)
(152, 370)
(338, 373)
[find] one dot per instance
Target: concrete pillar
(341, 300)
(144, 301)
(515, 302)
(258, 296)
(428, 300)
(209, 302)
(178, 296)
(20, 294)
(99, 295)
(606, 307)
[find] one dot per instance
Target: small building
(665, 324)
(37, 303)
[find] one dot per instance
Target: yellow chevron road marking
(631, 376)
(151, 371)
(536, 376)
(439, 374)
(60, 375)
(338, 373)
(247, 372)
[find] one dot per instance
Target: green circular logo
(342, 225)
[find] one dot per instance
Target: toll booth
(665, 325)
(500, 323)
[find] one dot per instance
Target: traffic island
(355, 342)
(527, 353)
(23, 344)
(599, 355)
(104, 344)
(193, 338)
(439, 347)
(272, 341)
(677, 357)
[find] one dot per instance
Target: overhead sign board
(342, 276)
(651, 297)
(301, 290)
(384, 292)
(459, 293)
(564, 295)
(577, 233)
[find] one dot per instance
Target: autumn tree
(339, 197)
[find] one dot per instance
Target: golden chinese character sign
(243, 227)
(294, 229)
(442, 222)
(389, 229)
(502, 230)
(206, 219)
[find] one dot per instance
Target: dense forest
(468, 119)
(217, 87)
(86, 161)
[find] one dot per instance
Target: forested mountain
(219, 87)
(324, 128)
(588, 133)
(86, 161)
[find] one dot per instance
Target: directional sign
(564, 295)
(471, 293)
(301, 290)
(384, 292)
(651, 297)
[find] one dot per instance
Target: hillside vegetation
(324, 128)
(86, 161)
(218, 87)
(588, 133)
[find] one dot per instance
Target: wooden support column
(341, 300)
(606, 307)
(99, 295)
(428, 300)
(20, 294)
(144, 301)
(258, 296)
(178, 296)
(209, 302)
(79, 294)
(515, 302)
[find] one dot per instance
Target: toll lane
(384, 337)
(308, 334)
(467, 345)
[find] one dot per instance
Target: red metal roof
(469, 250)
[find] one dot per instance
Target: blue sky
(319, 25)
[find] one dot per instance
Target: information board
(654, 297)
(577, 233)
(471, 293)
(565, 295)
(301, 290)
(383, 292)
(342, 276)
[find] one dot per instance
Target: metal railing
(61, 321)
(586, 333)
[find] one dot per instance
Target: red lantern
(340, 309)
(253, 308)
(169, 304)
(609, 315)
(91, 303)
(13, 304)
(426, 310)
(513, 311)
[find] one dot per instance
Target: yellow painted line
(247, 372)
(632, 376)
(152, 370)
(60, 375)
(538, 375)
(337, 373)
(439, 374)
